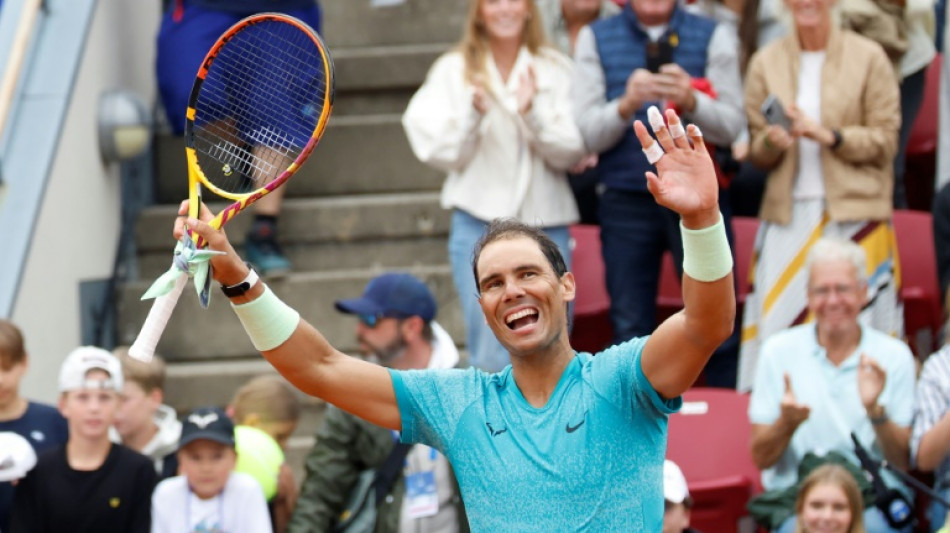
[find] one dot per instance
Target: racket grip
(144, 346)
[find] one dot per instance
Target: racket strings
(259, 105)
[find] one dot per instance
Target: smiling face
(503, 20)
(836, 295)
(810, 14)
(826, 509)
(522, 298)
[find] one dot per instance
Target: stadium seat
(920, 160)
(709, 440)
(592, 331)
(744, 230)
(920, 288)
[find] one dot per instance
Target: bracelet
(706, 253)
(268, 321)
(838, 139)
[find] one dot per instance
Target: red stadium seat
(592, 331)
(920, 288)
(709, 440)
(744, 230)
(920, 161)
(669, 297)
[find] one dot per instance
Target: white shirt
(239, 508)
(810, 182)
(501, 164)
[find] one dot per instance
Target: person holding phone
(652, 53)
(830, 169)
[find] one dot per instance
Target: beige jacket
(859, 97)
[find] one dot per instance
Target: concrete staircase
(361, 205)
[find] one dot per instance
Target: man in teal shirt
(557, 441)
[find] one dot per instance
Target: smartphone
(774, 112)
(659, 53)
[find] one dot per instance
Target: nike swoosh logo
(572, 429)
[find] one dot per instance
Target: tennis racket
(258, 107)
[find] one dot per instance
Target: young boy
(677, 501)
(209, 496)
(40, 424)
(143, 423)
(88, 484)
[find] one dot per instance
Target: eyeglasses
(826, 290)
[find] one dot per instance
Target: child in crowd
(677, 502)
(40, 424)
(266, 410)
(88, 484)
(143, 423)
(209, 496)
(829, 500)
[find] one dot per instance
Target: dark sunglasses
(371, 321)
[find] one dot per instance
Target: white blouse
(500, 164)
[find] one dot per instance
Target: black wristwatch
(838, 139)
(242, 287)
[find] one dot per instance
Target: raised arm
(686, 182)
(295, 348)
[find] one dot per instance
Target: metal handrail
(18, 50)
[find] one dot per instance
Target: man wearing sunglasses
(396, 327)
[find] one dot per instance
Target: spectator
(40, 424)
(677, 501)
(396, 326)
(829, 501)
(818, 383)
(494, 114)
(563, 20)
(143, 422)
(941, 223)
(209, 495)
(930, 443)
(612, 85)
(266, 411)
(830, 170)
(189, 28)
(88, 484)
(556, 425)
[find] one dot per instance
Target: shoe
(266, 256)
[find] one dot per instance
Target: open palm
(686, 179)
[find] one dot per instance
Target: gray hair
(830, 249)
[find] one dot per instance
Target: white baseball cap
(72, 374)
(674, 483)
(16, 456)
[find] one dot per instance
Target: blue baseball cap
(396, 294)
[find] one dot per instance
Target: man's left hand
(686, 179)
(871, 380)
(675, 84)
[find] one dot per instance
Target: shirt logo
(37, 435)
(571, 429)
(114, 503)
(495, 432)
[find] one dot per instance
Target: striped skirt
(778, 296)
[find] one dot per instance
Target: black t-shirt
(117, 496)
(44, 428)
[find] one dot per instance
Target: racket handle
(144, 346)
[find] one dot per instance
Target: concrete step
(316, 220)
(357, 154)
(372, 253)
(384, 67)
(358, 23)
(196, 334)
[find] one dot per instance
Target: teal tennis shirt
(589, 460)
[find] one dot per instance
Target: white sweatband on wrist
(706, 253)
(677, 130)
(654, 152)
(269, 322)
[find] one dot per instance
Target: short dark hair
(509, 228)
(12, 351)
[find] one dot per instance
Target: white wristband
(269, 322)
(706, 253)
